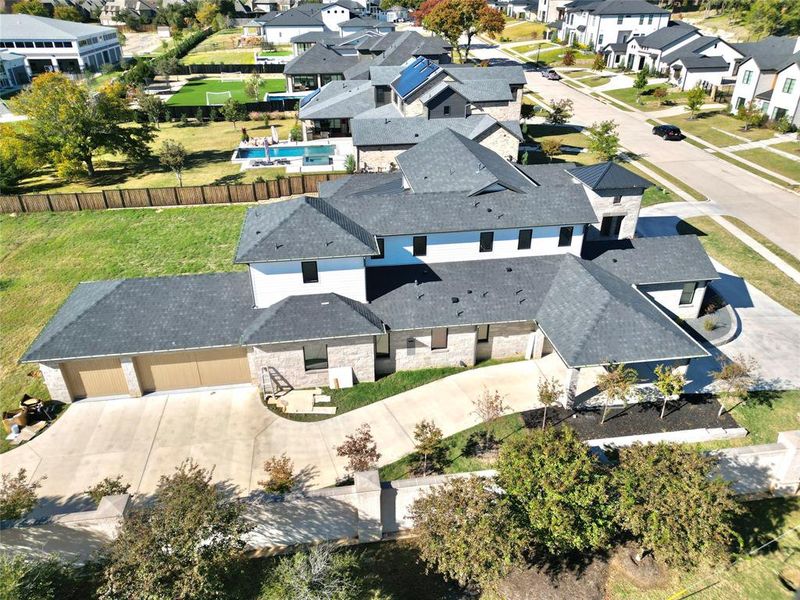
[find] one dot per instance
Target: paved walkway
(231, 431)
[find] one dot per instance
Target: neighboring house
(596, 23)
(280, 27)
(396, 107)
(758, 74)
(317, 67)
(647, 50)
(360, 24)
(785, 99)
(458, 257)
(144, 9)
(551, 11)
(53, 45)
(13, 74)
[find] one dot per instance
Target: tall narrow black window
(565, 236)
(487, 241)
(381, 248)
(420, 245)
(687, 293)
(310, 274)
(525, 237)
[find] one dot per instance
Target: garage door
(186, 370)
(96, 377)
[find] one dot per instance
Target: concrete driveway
(230, 431)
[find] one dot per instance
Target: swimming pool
(286, 152)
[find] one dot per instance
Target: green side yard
(719, 128)
(194, 92)
(517, 31)
(223, 47)
(45, 255)
(555, 58)
(209, 148)
(541, 45)
(772, 161)
(647, 101)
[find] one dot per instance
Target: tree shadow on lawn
(763, 521)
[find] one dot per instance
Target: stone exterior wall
(411, 349)
(628, 207)
(379, 157)
(287, 359)
(501, 142)
(131, 378)
(55, 382)
(506, 340)
(502, 111)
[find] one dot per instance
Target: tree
(550, 147)
(280, 475)
(321, 573)
(296, 132)
(766, 17)
(67, 13)
(640, 83)
(604, 140)
(560, 111)
(67, 124)
(152, 106)
(428, 444)
(30, 7)
(207, 13)
(599, 62)
(465, 531)
(182, 545)
(569, 57)
(360, 450)
(46, 577)
(233, 111)
(660, 93)
(15, 160)
(655, 484)
(166, 65)
(172, 155)
(695, 98)
(616, 384)
(252, 86)
(109, 486)
(489, 407)
(670, 383)
(350, 163)
(734, 378)
(751, 114)
(453, 19)
(17, 495)
(550, 392)
(558, 490)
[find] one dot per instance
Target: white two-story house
(596, 23)
(54, 45)
(457, 257)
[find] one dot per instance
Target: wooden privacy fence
(169, 196)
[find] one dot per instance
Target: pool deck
(342, 147)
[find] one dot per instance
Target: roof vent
(278, 246)
(518, 292)
(419, 296)
(475, 204)
(469, 291)
(613, 260)
(481, 166)
(328, 243)
(488, 210)
(459, 313)
(325, 303)
(454, 300)
(258, 233)
(484, 294)
(416, 282)
(521, 301)
(509, 269)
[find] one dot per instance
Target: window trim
(381, 248)
(527, 233)
(747, 77)
(486, 241)
(684, 292)
(419, 245)
(307, 277)
(484, 338)
(438, 346)
(566, 233)
(788, 85)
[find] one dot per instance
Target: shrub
(110, 486)
(783, 125)
(360, 449)
(199, 116)
(569, 57)
(319, 573)
(280, 475)
(17, 495)
(45, 578)
(296, 133)
(561, 111)
(551, 147)
(710, 324)
(350, 163)
(660, 93)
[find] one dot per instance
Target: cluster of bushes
(753, 116)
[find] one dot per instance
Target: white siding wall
(275, 281)
(748, 91)
(610, 29)
(333, 16)
(789, 102)
(727, 52)
(282, 35)
(461, 246)
(668, 296)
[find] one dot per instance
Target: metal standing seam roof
(301, 228)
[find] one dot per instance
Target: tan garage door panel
(185, 370)
(223, 367)
(97, 377)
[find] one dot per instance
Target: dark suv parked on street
(668, 132)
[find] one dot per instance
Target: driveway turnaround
(230, 431)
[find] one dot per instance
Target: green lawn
(568, 135)
(194, 92)
(772, 161)
(519, 31)
(237, 56)
(45, 255)
(743, 261)
(647, 102)
(209, 148)
(532, 47)
(792, 147)
(707, 126)
(596, 81)
(765, 241)
(751, 577)
(555, 58)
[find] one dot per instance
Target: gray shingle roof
(704, 63)
(590, 315)
(488, 90)
(319, 59)
(653, 259)
(340, 100)
(609, 176)
(301, 228)
(302, 15)
(367, 22)
(620, 7)
(405, 131)
(450, 162)
(693, 48)
(316, 36)
(771, 53)
(383, 75)
(666, 36)
(514, 75)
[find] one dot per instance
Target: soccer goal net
(217, 98)
(230, 77)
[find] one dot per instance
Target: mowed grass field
(194, 92)
(43, 256)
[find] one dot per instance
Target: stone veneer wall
(287, 359)
(379, 157)
(502, 142)
(411, 349)
(506, 340)
(55, 382)
(628, 207)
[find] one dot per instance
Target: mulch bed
(578, 582)
(689, 412)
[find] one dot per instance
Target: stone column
(368, 494)
(570, 386)
(787, 474)
(537, 348)
(55, 382)
(131, 378)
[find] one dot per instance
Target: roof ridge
(342, 220)
(256, 209)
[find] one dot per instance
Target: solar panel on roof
(413, 76)
(306, 100)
